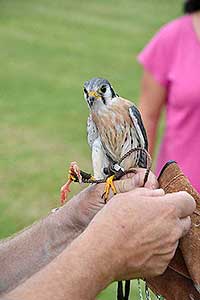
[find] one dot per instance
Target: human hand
(134, 235)
(138, 232)
(84, 206)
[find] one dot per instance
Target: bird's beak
(94, 94)
(92, 97)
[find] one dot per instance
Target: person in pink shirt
(171, 80)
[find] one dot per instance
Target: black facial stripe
(86, 92)
(103, 99)
(113, 93)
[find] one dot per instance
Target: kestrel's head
(98, 92)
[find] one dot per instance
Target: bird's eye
(103, 89)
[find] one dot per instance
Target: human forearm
(74, 274)
(152, 100)
(30, 250)
(133, 236)
(151, 126)
(33, 248)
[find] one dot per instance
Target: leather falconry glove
(181, 280)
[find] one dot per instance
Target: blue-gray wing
(92, 132)
(141, 135)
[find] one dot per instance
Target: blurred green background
(47, 50)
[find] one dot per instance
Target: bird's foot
(109, 185)
(74, 175)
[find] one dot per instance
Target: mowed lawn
(47, 50)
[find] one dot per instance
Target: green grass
(47, 50)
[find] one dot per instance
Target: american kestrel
(118, 142)
(116, 136)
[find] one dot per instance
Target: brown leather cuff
(173, 286)
(177, 283)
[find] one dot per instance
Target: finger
(149, 192)
(136, 180)
(144, 192)
(183, 202)
(156, 192)
(185, 226)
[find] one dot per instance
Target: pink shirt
(173, 58)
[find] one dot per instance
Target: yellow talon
(92, 178)
(109, 184)
(71, 177)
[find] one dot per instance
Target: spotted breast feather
(112, 132)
